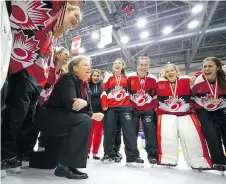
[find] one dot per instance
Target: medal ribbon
(214, 93)
(118, 80)
(174, 92)
(142, 86)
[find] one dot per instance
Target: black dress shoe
(76, 171)
(70, 173)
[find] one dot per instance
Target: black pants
(221, 119)
(213, 124)
(149, 128)
(4, 93)
(129, 136)
(49, 158)
(19, 116)
(75, 146)
(118, 135)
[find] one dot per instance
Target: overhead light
(144, 34)
(81, 50)
(141, 23)
(167, 30)
(196, 9)
(125, 39)
(193, 24)
(100, 46)
(95, 35)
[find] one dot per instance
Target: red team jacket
(113, 98)
(202, 95)
(31, 23)
(166, 105)
(142, 99)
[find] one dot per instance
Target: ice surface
(118, 173)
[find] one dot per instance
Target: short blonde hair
(74, 8)
(175, 67)
(76, 60)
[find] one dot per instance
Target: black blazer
(57, 117)
(67, 88)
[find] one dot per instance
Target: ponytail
(123, 71)
(221, 79)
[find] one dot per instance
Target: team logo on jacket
(205, 101)
(24, 49)
(174, 106)
(140, 98)
(29, 14)
(118, 94)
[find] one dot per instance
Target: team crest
(140, 98)
(118, 94)
(174, 106)
(207, 103)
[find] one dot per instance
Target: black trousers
(213, 127)
(111, 119)
(220, 117)
(49, 158)
(118, 135)
(4, 93)
(118, 140)
(17, 134)
(149, 128)
(75, 146)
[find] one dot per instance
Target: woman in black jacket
(68, 113)
(97, 126)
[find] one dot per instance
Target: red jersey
(49, 86)
(202, 95)
(142, 91)
(174, 100)
(32, 23)
(115, 92)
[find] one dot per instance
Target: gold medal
(174, 100)
(118, 80)
(215, 101)
(117, 88)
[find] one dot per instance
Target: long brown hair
(220, 72)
